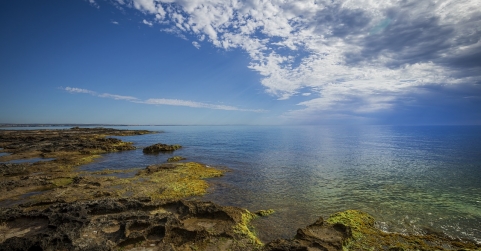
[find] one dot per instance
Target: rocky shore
(48, 204)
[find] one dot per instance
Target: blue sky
(213, 62)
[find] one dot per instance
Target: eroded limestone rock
(127, 224)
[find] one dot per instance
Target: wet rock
(75, 139)
(318, 236)
(157, 167)
(61, 151)
(124, 224)
(264, 213)
(175, 158)
(161, 148)
(12, 169)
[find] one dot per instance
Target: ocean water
(412, 179)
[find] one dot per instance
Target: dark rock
(161, 148)
(122, 224)
(157, 167)
(13, 169)
(318, 236)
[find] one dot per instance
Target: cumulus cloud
(147, 23)
(93, 3)
(356, 56)
(196, 44)
(161, 101)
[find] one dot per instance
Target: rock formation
(157, 148)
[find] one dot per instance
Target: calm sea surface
(409, 178)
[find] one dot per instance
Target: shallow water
(31, 160)
(408, 178)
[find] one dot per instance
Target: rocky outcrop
(145, 224)
(13, 169)
(157, 167)
(157, 148)
(51, 157)
(127, 224)
(73, 140)
(318, 236)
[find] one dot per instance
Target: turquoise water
(409, 178)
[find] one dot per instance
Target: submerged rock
(161, 148)
(175, 158)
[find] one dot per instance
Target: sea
(411, 179)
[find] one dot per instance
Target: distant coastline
(101, 125)
(66, 125)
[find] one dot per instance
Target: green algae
(358, 221)
(264, 213)
(60, 182)
(185, 180)
(181, 181)
(243, 228)
(69, 149)
(175, 158)
(365, 236)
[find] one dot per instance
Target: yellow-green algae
(175, 158)
(365, 236)
(69, 149)
(185, 180)
(242, 228)
(264, 213)
(60, 182)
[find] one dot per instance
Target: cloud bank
(161, 101)
(351, 56)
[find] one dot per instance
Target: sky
(229, 62)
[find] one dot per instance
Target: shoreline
(63, 186)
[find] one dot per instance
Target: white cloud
(145, 6)
(115, 22)
(193, 104)
(147, 23)
(161, 101)
(78, 90)
(346, 54)
(93, 3)
(175, 31)
(196, 44)
(117, 97)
